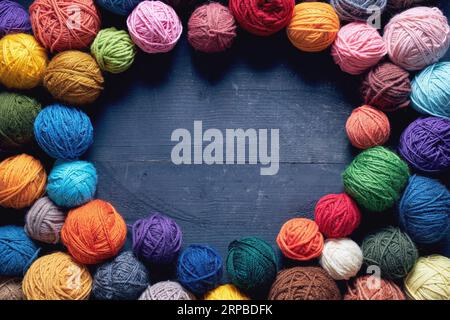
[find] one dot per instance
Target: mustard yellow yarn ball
(226, 292)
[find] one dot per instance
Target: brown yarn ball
(364, 288)
(11, 289)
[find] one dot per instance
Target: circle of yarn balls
(391, 250)
(400, 5)
(371, 288)
(357, 10)
(300, 239)
(157, 239)
(22, 181)
(17, 115)
(11, 289)
(74, 77)
(94, 232)
(367, 127)
(251, 264)
(166, 290)
(123, 278)
(425, 144)
(375, 178)
(71, 184)
(57, 276)
(63, 132)
(44, 221)
(114, 50)
(314, 26)
(61, 25)
(13, 18)
(22, 61)
(154, 27)
(304, 283)
(386, 87)
(262, 18)
(429, 279)
(226, 292)
(120, 7)
(199, 268)
(211, 28)
(424, 210)
(17, 251)
(337, 215)
(417, 37)
(341, 258)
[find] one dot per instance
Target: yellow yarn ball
(22, 61)
(226, 292)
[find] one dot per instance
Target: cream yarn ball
(341, 258)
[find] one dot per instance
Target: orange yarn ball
(300, 239)
(94, 232)
(22, 181)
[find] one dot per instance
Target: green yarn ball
(392, 250)
(375, 178)
(114, 50)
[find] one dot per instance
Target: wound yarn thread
(362, 288)
(166, 290)
(120, 7)
(13, 18)
(11, 288)
(341, 258)
(226, 292)
(357, 10)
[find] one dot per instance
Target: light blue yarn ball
(431, 90)
(121, 7)
(63, 132)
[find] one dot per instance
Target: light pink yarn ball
(154, 27)
(358, 46)
(417, 37)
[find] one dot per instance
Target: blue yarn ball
(424, 210)
(199, 268)
(71, 184)
(63, 132)
(121, 7)
(17, 251)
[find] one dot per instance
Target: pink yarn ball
(358, 46)
(154, 27)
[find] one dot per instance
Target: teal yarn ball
(120, 7)
(375, 178)
(71, 184)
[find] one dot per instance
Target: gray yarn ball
(11, 289)
(166, 290)
(357, 10)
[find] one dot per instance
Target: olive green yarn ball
(114, 50)
(376, 178)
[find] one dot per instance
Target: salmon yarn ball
(373, 288)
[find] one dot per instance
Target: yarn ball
(417, 37)
(314, 26)
(123, 278)
(44, 221)
(64, 24)
(424, 210)
(226, 292)
(367, 127)
(166, 290)
(425, 144)
(13, 18)
(154, 27)
(391, 250)
(341, 258)
(17, 114)
(429, 279)
(304, 283)
(199, 268)
(120, 7)
(251, 264)
(357, 10)
(22, 61)
(400, 5)
(157, 239)
(57, 277)
(94, 232)
(22, 181)
(262, 18)
(211, 28)
(114, 50)
(375, 178)
(74, 77)
(431, 90)
(337, 215)
(11, 289)
(63, 132)
(369, 288)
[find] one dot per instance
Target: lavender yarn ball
(166, 290)
(13, 18)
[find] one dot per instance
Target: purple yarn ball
(13, 18)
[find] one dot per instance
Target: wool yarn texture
(337, 215)
(13, 18)
(199, 268)
(57, 276)
(226, 292)
(120, 7)
(154, 27)
(262, 19)
(370, 288)
(61, 25)
(94, 232)
(304, 283)
(358, 47)
(22, 181)
(166, 290)
(22, 61)
(417, 37)
(425, 144)
(390, 249)
(358, 10)
(341, 258)
(11, 289)
(211, 28)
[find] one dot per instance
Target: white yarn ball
(341, 258)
